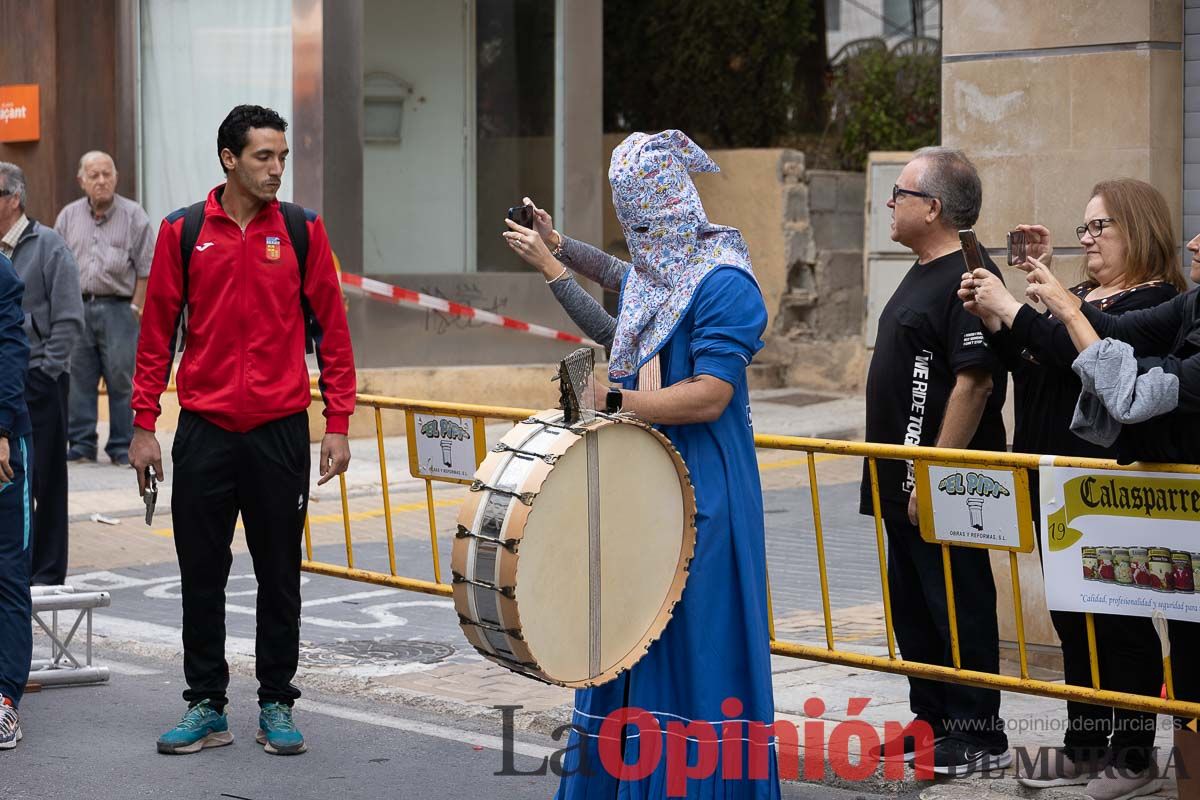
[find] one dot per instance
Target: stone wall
(1019, 95)
(805, 233)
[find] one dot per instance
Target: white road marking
(423, 728)
(152, 633)
(381, 613)
(345, 598)
(105, 581)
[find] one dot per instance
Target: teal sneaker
(200, 727)
(277, 731)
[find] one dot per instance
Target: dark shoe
(914, 736)
(956, 757)
(79, 455)
(120, 459)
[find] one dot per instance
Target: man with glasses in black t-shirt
(933, 381)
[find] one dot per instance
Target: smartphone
(1018, 245)
(971, 249)
(522, 215)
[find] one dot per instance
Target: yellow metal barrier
(891, 663)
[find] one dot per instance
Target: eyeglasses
(1094, 227)
(897, 191)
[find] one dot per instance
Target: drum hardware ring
(512, 632)
(525, 497)
(508, 544)
(508, 591)
(549, 458)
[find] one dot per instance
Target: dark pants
(16, 533)
(921, 622)
(262, 474)
(1130, 661)
(106, 349)
(47, 401)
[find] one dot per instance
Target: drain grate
(369, 652)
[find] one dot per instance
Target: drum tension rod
(525, 497)
(501, 447)
(508, 591)
(575, 429)
(508, 544)
(513, 632)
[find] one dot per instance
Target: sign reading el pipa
(1121, 542)
(974, 507)
(442, 447)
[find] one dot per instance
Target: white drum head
(645, 543)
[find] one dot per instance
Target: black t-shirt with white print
(925, 338)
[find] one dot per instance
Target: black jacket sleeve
(1050, 342)
(1151, 331)
(14, 347)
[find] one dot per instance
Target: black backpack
(295, 219)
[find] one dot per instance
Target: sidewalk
(463, 685)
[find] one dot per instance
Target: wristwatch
(5, 433)
(612, 402)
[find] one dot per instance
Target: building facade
(414, 126)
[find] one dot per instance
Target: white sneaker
(1123, 787)
(1060, 770)
(10, 724)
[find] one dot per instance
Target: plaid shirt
(8, 243)
(114, 250)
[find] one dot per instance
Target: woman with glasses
(1130, 263)
(1151, 343)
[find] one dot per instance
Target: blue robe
(717, 643)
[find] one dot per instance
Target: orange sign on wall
(19, 113)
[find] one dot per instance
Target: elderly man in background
(53, 319)
(113, 243)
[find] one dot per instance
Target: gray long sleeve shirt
(581, 307)
(52, 303)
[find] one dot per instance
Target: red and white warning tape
(379, 290)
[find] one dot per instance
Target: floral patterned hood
(672, 243)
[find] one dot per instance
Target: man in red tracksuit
(242, 440)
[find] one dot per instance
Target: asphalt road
(97, 742)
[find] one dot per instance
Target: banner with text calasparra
(1121, 542)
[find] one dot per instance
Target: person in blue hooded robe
(690, 320)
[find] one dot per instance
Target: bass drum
(573, 547)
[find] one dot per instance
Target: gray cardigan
(581, 307)
(1114, 394)
(52, 304)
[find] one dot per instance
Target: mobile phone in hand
(1018, 247)
(522, 215)
(971, 249)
